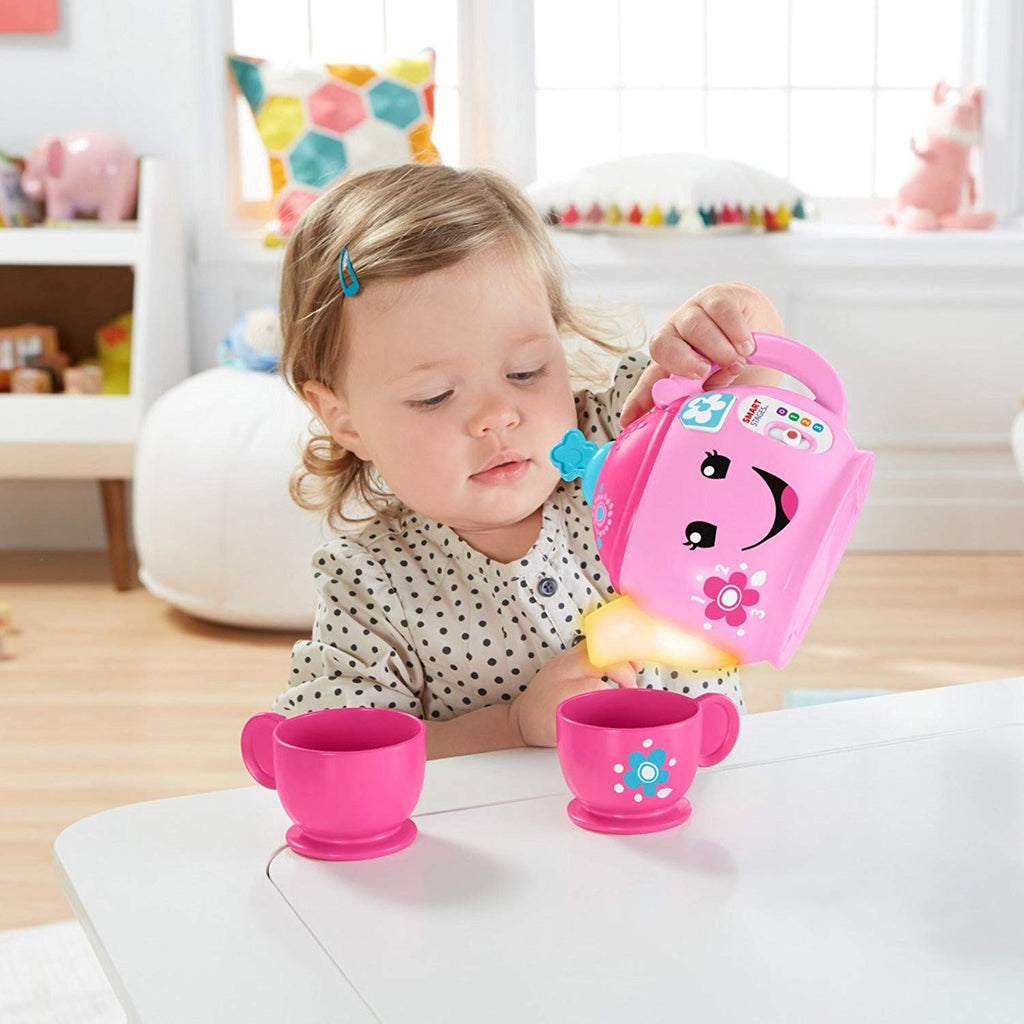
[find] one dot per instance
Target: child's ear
(332, 411)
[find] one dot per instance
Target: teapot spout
(622, 631)
(575, 456)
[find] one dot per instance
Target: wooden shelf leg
(115, 518)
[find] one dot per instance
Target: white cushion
(216, 532)
(688, 181)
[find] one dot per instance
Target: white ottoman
(216, 533)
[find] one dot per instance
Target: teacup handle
(720, 725)
(258, 747)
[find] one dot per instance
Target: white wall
(122, 66)
(115, 65)
(942, 323)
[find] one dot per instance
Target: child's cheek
(557, 407)
(429, 445)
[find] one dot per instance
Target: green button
(794, 416)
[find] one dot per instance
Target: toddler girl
(425, 317)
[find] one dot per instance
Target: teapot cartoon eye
(700, 535)
(715, 466)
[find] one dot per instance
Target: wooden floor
(114, 698)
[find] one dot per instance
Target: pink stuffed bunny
(931, 196)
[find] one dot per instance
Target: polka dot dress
(411, 617)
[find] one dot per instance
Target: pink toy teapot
(721, 516)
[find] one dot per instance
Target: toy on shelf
(16, 209)
(254, 342)
(721, 516)
(83, 380)
(940, 180)
(30, 345)
(82, 172)
(30, 380)
(114, 355)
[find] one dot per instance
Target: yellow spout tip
(621, 631)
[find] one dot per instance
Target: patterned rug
(50, 975)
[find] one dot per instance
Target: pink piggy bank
(726, 512)
(83, 172)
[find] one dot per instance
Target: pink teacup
(629, 755)
(348, 777)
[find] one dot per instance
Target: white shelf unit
(93, 436)
(110, 245)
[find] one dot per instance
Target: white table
(860, 861)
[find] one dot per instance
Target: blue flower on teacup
(645, 773)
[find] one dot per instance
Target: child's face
(446, 373)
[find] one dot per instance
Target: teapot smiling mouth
(785, 504)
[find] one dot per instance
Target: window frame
(994, 58)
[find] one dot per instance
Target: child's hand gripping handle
(777, 353)
(258, 747)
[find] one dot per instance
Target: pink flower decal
(728, 598)
(603, 509)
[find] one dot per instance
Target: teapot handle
(778, 353)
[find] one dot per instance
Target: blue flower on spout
(646, 772)
(572, 454)
(575, 456)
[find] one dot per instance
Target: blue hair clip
(345, 263)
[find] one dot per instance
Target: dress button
(547, 586)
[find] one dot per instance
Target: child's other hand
(564, 676)
(712, 327)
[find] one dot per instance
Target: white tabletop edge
(123, 996)
(203, 915)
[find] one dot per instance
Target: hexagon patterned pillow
(321, 121)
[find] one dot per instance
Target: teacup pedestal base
(322, 849)
(629, 825)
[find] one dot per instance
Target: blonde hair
(402, 222)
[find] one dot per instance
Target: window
(827, 94)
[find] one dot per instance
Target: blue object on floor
(807, 698)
